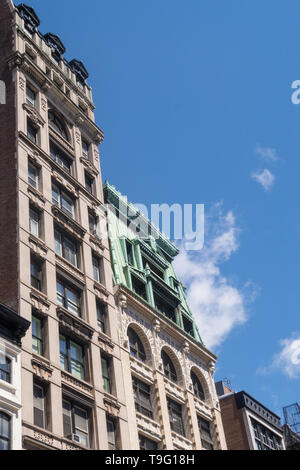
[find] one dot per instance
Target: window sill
(8, 387)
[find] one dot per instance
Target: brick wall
(8, 176)
(233, 423)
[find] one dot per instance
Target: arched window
(136, 346)
(169, 369)
(197, 387)
(57, 125)
(4, 431)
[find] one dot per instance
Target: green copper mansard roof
(142, 262)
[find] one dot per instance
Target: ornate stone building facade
(168, 372)
(54, 268)
(113, 358)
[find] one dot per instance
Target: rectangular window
(61, 199)
(89, 183)
(60, 157)
(147, 444)
(68, 297)
(130, 254)
(139, 287)
(101, 316)
(65, 247)
(93, 225)
(96, 268)
(188, 325)
(205, 434)
(34, 222)
(111, 433)
(36, 273)
(106, 373)
(142, 396)
(33, 176)
(39, 406)
(31, 132)
(5, 368)
(165, 308)
(76, 423)
(85, 149)
(30, 97)
(37, 335)
(72, 357)
(175, 414)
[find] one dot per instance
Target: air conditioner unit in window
(76, 438)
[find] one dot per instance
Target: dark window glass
(39, 406)
(60, 157)
(89, 182)
(101, 316)
(130, 254)
(68, 297)
(5, 421)
(139, 287)
(136, 346)
(197, 387)
(165, 308)
(85, 149)
(72, 357)
(188, 325)
(106, 373)
(36, 274)
(93, 225)
(56, 124)
(96, 268)
(175, 414)
(33, 176)
(65, 247)
(37, 335)
(31, 132)
(5, 368)
(111, 433)
(153, 268)
(147, 444)
(30, 97)
(142, 396)
(205, 433)
(169, 369)
(61, 199)
(34, 222)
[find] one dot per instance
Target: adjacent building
(248, 425)
(12, 329)
(168, 372)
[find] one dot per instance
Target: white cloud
(288, 359)
(267, 153)
(216, 304)
(265, 178)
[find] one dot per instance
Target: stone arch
(200, 376)
(144, 339)
(59, 124)
(176, 362)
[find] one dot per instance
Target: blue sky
(195, 102)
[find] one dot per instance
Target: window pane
(96, 269)
(58, 243)
(67, 205)
(33, 176)
(30, 96)
(34, 218)
(70, 251)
